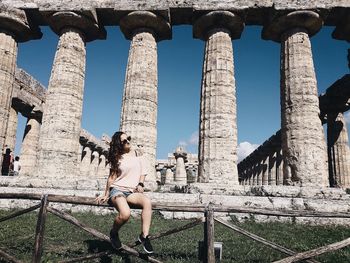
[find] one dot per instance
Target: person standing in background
(16, 166)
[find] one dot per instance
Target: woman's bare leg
(123, 208)
(138, 199)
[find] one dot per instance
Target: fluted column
(169, 176)
(338, 142)
(272, 168)
(255, 174)
(85, 162)
(180, 172)
(10, 140)
(30, 145)
(140, 99)
(95, 159)
(259, 173)
(250, 175)
(14, 28)
(101, 170)
(61, 123)
(218, 122)
(158, 177)
(279, 168)
(80, 154)
(303, 142)
(338, 150)
(265, 171)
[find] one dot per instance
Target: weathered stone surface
(303, 143)
(180, 172)
(15, 22)
(28, 97)
(137, 20)
(311, 21)
(218, 123)
(10, 140)
(59, 135)
(14, 27)
(338, 150)
(95, 159)
(85, 22)
(8, 53)
(30, 146)
(169, 176)
(140, 99)
(85, 162)
(102, 169)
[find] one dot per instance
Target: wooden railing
(208, 220)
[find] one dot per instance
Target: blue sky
(179, 74)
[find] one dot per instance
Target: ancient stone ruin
(55, 147)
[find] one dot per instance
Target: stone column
(265, 171)
(101, 170)
(272, 168)
(10, 140)
(80, 154)
(279, 168)
(158, 177)
(30, 145)
(140, 99)
(258, 173)
(169, 176)
(61, 123)
(95, 159)
(255, 174)
(303, 142)
(85, 162)
(338, 150)
(14, 28)
(218, 125)
(339, 147)
(250, 176)
(180, 172)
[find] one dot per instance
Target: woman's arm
(142, 178)
(110, 180)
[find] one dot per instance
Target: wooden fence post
(40, 228)
(209, 256)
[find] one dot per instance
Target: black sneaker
(146, 243)
(115, 241)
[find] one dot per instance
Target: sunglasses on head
(128, 139)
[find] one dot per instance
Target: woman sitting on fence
(125, 187)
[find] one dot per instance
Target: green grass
(63, 240)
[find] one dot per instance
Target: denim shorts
(113, 191)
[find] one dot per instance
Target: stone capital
(216, 20)
(15, 22)
(306, 20)
(144, 20)
(86, 23)
(342, 30)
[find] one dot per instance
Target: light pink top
(131, 168)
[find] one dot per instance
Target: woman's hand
(101, 199)
(139, 189)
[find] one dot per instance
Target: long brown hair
(115, 150)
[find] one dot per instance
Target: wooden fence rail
(208, 210)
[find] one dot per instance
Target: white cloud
(193, 140)
(347, 117)
(244, 149)
(182, 143)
